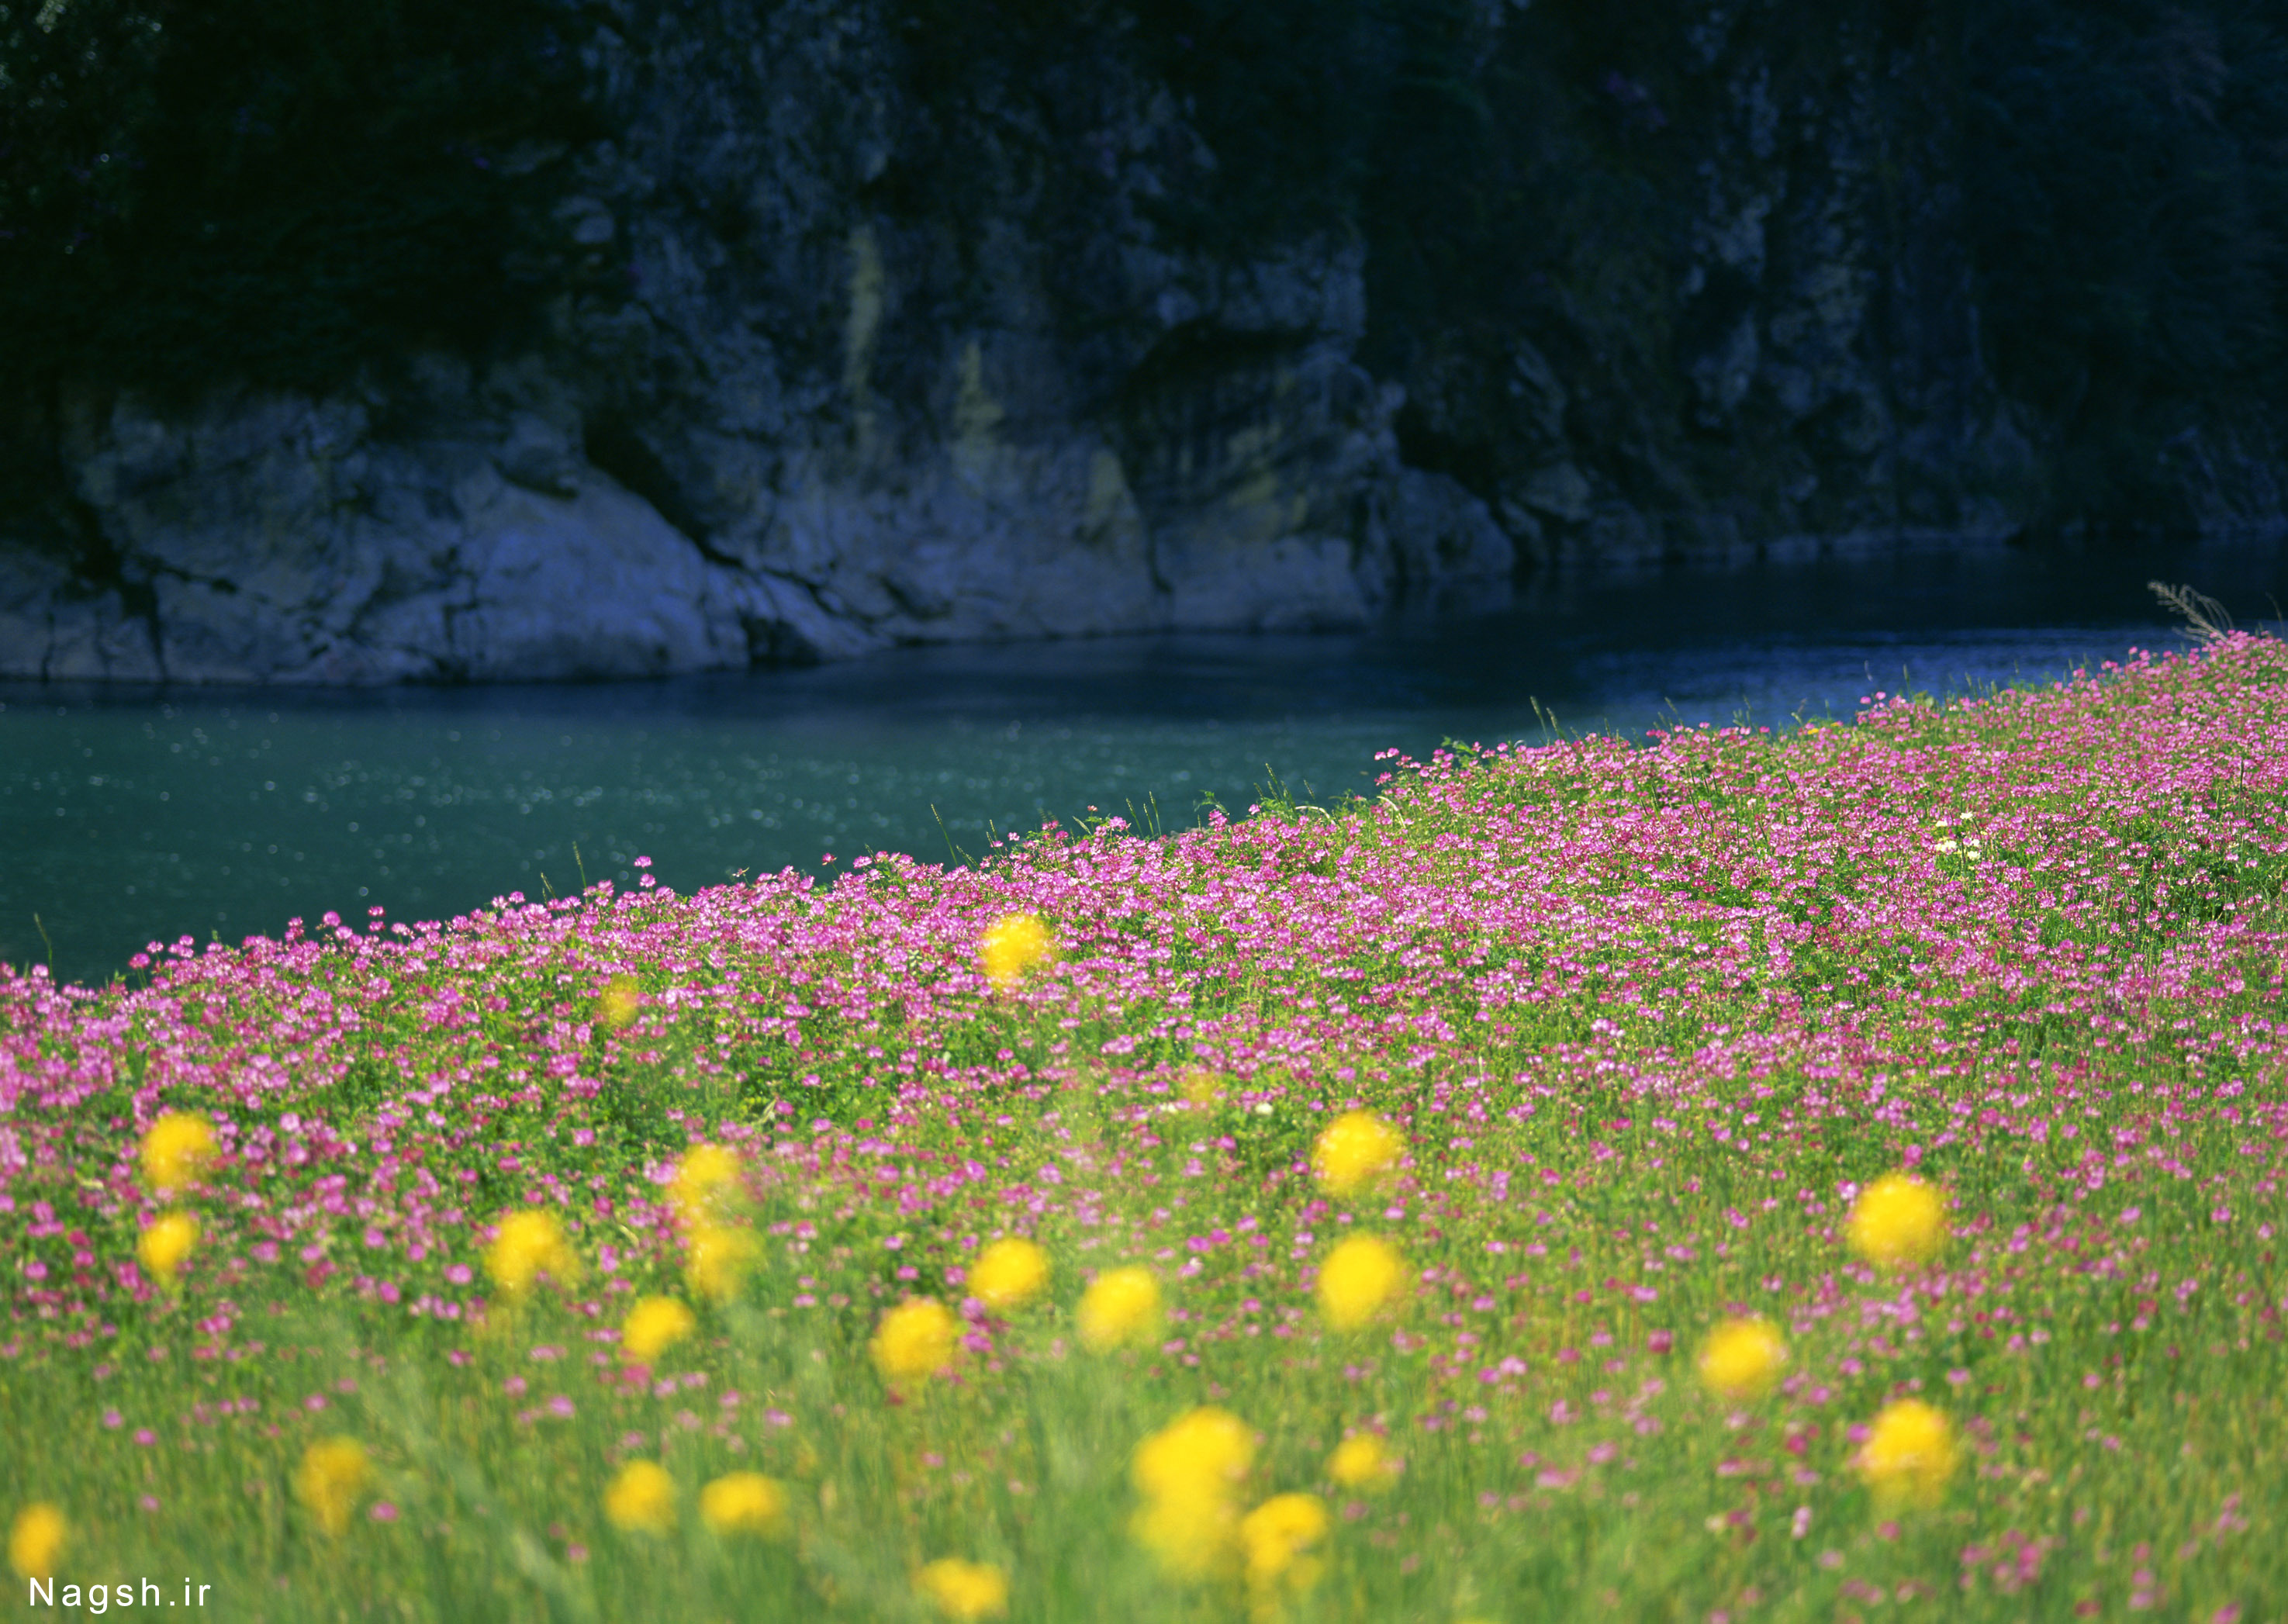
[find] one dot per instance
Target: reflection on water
(130, 816)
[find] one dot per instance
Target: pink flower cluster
(1647, 1016)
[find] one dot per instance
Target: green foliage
(2126, 202)
(1276, 91)
(285, 194)
(274, 193)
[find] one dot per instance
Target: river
(133, 815)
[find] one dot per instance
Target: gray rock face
(789, 441)
(285, 540)
(278, 541)
(52, 626)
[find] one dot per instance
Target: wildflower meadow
(1737, 1176)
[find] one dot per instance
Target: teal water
(135, 816)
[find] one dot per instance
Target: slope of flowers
(1642, 1027)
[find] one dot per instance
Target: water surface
(131, 815)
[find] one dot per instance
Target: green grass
(1643, 1018)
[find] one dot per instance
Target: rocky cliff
(846, 354)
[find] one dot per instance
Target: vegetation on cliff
(194, 194)
(235, 191)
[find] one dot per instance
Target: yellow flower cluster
(1189, 1474)
(176, 1150)
(717, 1262)
(1742, 1358)
(1909, 1454)
(162, 1247)
(1276, 1537)
(744, 1503)
(1898, 1219)
(915, 1339)
(1362, 1277)
(1014, 945)
(1354, 1149)
(1910, 1451)
(1200, 1087)
(1009, 1274)
(1121, 1308)
(531, 1243)
(705, 1188)
(332, 1478)
(964, 1589)
(1361, 1461)
(35, 1541)
(620, 1000)
(641, 1500)
(707, 1193)
(653, 1326)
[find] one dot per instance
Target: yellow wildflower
(1208, 1449)
(165, 1244)
(964, 1589)
(717, 1262)
(1202, 1087)
(1898, 1219)
(1361, 1278)
(36, 1540)
(620, 1000)
(1909, 1453)
(641, 1499)
(1361, 1461)
(530, 1244)
(176, 1149)
(1013, 946)
(1193, 1534)
(1356, 1149)
(332, 1478)
(1275, 1536)
(915, 1339)
(706, 1184)
(1009, 1274)
(1121, 1306)
(744, 1503)
(1188, 1473)
(653, 1326)
(1742, 1358)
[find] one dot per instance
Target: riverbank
(1645, 1023)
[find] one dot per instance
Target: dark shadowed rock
(799, 406)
